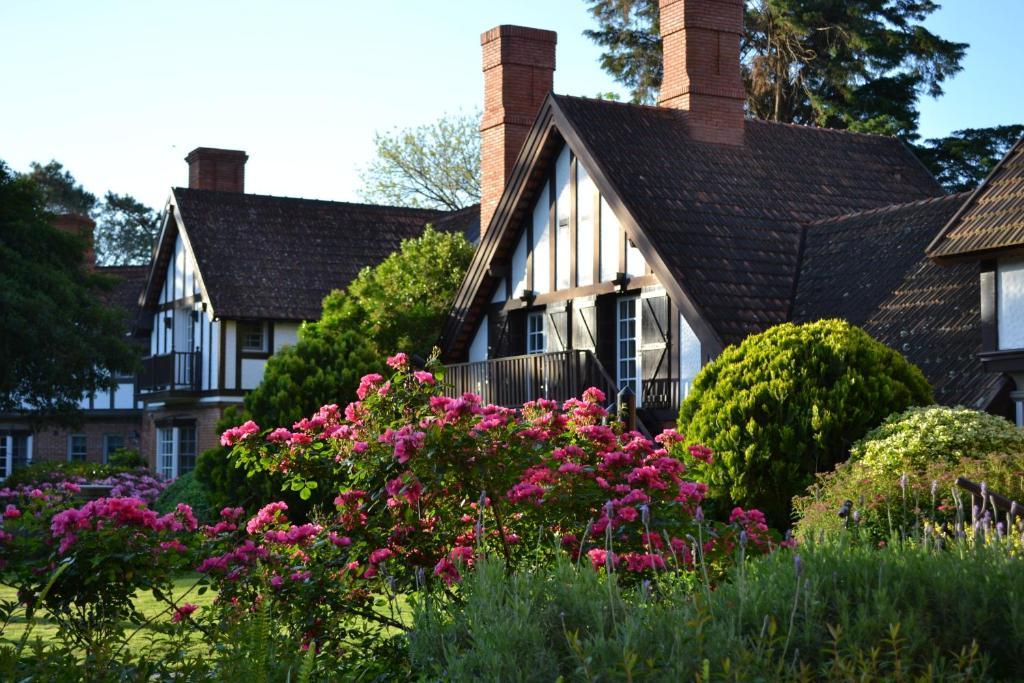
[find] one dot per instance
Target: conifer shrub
(789, 402)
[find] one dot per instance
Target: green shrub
(188, 490)
(910, 440)
(789, 402)
(903, 474)
(126, 458)
(905, 612)
(55, 471)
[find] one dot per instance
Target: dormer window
(254, 336)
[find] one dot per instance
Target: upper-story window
(535, 333)
(1010, 295)
(254, 336)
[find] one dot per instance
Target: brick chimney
(701, 64)
(216, 169)
(83, 226)
(519, 67)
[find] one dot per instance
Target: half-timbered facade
(630, 244)
(234, 276)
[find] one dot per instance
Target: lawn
(146, 603)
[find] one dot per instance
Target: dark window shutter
(584, 327)
(497, 333)
(558, 330)
(606, 336)
(655, 347)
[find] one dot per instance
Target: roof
(928, 313)
(129, 281)
(721, 224)
(466, 221)
(992, 220)
(276, 258)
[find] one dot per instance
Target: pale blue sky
(120, 91)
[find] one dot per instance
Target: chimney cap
(210, 152)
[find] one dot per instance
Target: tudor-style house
(109, 420)
(987, 233)
(233, 277)
(626, 245)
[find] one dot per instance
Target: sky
(120, 92)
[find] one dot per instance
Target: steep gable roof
(870, 268)
(992, 220)
(276, 258)
(720, 223)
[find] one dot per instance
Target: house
(626, 245)
(986, 236)
(233, 277)
(109, 420)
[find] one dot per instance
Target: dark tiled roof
(277, 257)
(129, 281)
(466, 221)
(870, 269)
(727, 219)
(993, 218)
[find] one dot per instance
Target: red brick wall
(216, 169)
(51, 443)
(519, 67)
(701, 62)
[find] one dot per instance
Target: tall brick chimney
(519, 67)
(83, 226)
(216, 169)
(701, 64)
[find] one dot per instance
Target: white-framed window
(254, 336)
(627, 363)
(535, 340)
(111, 443)
(175, 450)
(15, 452)
(77, 447)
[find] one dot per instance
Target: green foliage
(911, 440)
(61, 192)
(126, 458)
(789, 402)
(57, 340)
(906, 612)
(53, 472)
(961, 160)
(188, 490)
(435, 166)
(126, 230)
(902, 475)
(398, 305)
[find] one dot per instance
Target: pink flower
(380, 555)
(424, 377)
(368, 382)
(236, 434)
(279, 434)
(276, 581)
(398, 361)
(184, 612)
(702, 453)
(12, 512)
(600, 558)
(267, 515)
(593, 395)
(447, 571)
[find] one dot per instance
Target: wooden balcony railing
(177, 371)
(513, 381)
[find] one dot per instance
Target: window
(15, 452)
(77, 447)
(111, 443)
(176, 450)
(535, 333)
(626, 358)
(254, 336)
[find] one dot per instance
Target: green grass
(146, 603)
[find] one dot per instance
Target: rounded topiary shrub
(188, 490)
(903, 474)
(789, 402)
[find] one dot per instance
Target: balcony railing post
(626, 407)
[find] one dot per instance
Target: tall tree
(435, 166)
(58, 341)
(962, 159)
(61, 192)
(125, 231)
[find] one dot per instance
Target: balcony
(170, 372)
(513, 381)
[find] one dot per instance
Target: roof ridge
(335, 202)
(888, 208)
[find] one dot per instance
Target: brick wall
(701, 63)
(216, 169)
(51, 443)
(519, 67)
